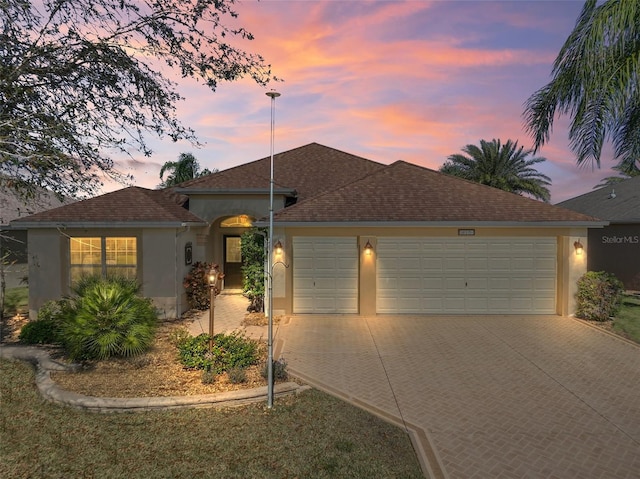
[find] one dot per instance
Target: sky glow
(386, 80)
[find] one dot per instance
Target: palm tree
(186, 168)
(595, 81)
(502, 166)
(625, 174)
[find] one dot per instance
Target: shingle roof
(12, 206)
(309, 170)
(404, 192)
(129, 205)
(623, 206)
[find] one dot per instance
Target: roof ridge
(325, 193)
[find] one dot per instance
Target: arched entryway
(231, 230)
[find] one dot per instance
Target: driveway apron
(493, 397)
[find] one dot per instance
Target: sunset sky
(386, 80)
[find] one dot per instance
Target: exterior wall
(616, 249)
(161, 264)
(213, 207)
(47, 280)
(569, 266)
(163, 268)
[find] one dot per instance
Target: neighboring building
(358, 237)
(13, 242)
(615, 248)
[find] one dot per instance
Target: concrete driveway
(484, 397)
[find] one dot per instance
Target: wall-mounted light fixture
(368, 249)
(579, 248)
(278, 247)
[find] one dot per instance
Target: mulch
(157, 373)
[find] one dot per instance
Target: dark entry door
(232, 263)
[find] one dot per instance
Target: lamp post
(273, 95)
(212, 280)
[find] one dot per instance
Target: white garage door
(466, 276)
(325, 275)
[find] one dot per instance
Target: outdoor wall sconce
(579, 248)
(278, 247)
(368, 249)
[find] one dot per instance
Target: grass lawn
(16, 300)
(627, 321)
(312, 435)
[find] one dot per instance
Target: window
(103, 256)
(242, 221)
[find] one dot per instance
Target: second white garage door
(466, 276)
(325, 275)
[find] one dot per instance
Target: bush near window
(107, 318)
(45, 329)
(252, 246)
(196, 285)
(39, 332)
(229, 351)
(599, 296)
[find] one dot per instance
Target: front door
(232, 263)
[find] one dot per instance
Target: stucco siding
(212, 207)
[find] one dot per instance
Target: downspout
(177, 295)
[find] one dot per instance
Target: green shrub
(197, 287)
(599, 296)
(252, 247)
(39, 332)
(107, 318)
(208, 376)
(229, 350)
(179, 336)
(53, 310)
(237, 375)
(46, 329)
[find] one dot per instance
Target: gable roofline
(303, 172)
(106, 225)
(133, 206)
(405, 193)
(618, 203)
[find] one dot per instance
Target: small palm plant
(107, 318)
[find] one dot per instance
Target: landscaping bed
(153, 374)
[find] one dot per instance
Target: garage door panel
(479, 305)
(454, 264)
(522, 264)
(468, 275)
(325, 275)
(477, 284)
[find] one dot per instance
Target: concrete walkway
(485, 397)
(229, 311)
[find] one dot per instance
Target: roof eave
(107, 225)
(439, 224)
(234, 191)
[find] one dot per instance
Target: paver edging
(427, 455)
(605, 331)
(51, 391)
